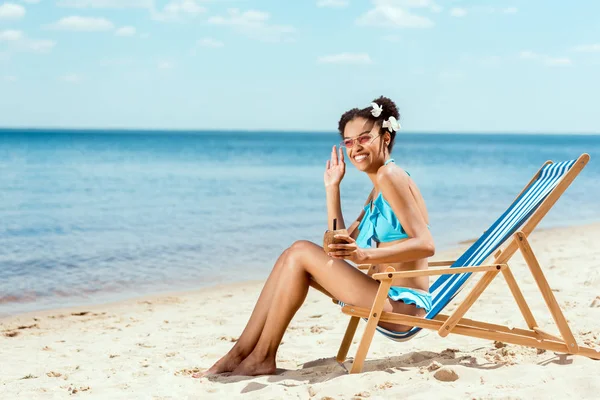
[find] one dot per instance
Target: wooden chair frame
(534, 336)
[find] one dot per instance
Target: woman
(394, 219)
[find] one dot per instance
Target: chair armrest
(382, 276)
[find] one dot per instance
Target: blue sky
(472, 66)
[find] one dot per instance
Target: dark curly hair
(389, 110)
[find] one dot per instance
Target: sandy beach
(147, 348)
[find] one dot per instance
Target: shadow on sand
(327, 369)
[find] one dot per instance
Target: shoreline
(149, 347)
(121, 298)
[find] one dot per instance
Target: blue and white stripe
(446, 287)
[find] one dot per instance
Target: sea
(92, 216)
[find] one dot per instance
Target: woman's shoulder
(392, 174)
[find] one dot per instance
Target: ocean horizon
(92, 215)
(194, 131)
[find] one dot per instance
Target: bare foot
(253, 366)
(226, 364)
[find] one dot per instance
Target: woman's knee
(297, 252)
(301, 246)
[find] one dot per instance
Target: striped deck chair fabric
(446, 287)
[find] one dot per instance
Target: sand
(147, 348)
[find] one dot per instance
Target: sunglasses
(362, 140)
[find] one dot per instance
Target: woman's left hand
(347, 251)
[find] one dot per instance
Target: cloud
(587, 48)
(31, 1)
(18, 41)
(255, 24)
(458, 12)
(10, 35)
(174, 10)
(72, 78)
(396, 14)
(462, 11)
(332, 3)
(83, 24)
(429, 4)
(494, 10)
(558, 61)
(346, 58)
(163, 65)
(528, 55)
(210, 42)
(149, 4)
(40, 45)
(11, 11)
(545, 59)
(125, 31)
(177, 9)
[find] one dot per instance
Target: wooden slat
(373, 321)
(537, 174)
(435, 271)
(546, 335)
(464, 306)
(437, 322)
(546, 291)
(551, 199)
(507, 335)
(347, 341)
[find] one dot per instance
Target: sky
(529, 66)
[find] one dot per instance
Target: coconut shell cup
(328, 238)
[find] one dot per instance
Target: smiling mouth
(360, 157)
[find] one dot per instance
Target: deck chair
(513, 227)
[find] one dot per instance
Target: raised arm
(334, 173)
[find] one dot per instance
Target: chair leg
(374, 316)
(347, 341)
(549, 298)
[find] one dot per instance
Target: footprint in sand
(319, 329)
(188, 372)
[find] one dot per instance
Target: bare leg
(304, 261)
(251, 333)
(253, 329)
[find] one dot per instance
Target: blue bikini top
(379, 222)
